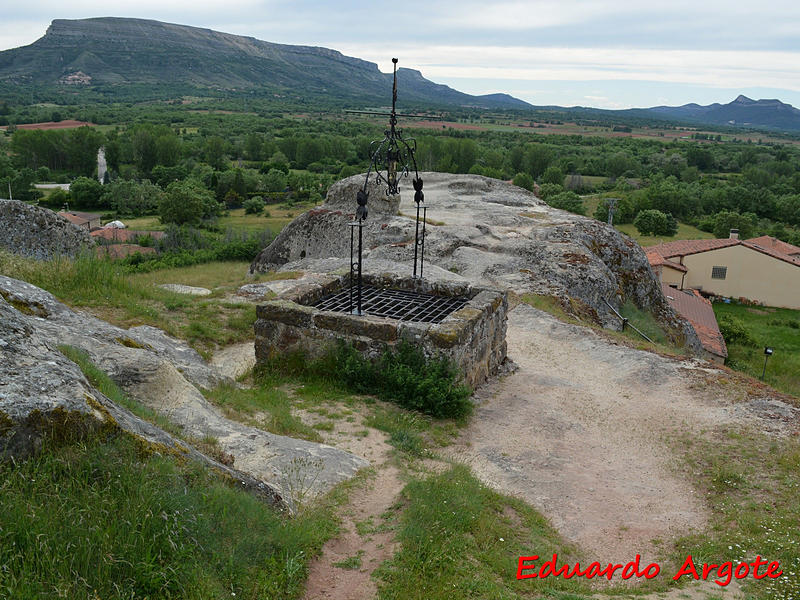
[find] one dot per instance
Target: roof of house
(79, 218)
(656, 260)
(772, 243)
(774, 248)
(698, 311)
(124, 235)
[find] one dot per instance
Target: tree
(567, 201)
(214, 152)
(654, 222)
(254, 205)
(187, 202)
(275, 180)
(523, 180)
(132, 199)
(726, 220)
(553, 175)
(86, 192)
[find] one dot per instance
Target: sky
(600, 53)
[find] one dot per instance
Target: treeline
(278, 157)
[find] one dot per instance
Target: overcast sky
(602, 53)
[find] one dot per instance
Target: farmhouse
(761, 269)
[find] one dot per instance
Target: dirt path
(365, 540)
(578, 432)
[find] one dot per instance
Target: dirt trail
(578, 432)
(364, 536)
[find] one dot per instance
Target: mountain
(119, 52)
(743, 111)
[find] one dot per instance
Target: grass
(751, 482)
(778, 328)
(685, 232)
(128, 300)
(265, 406)
(280, 215)
(101, 520)
(576, 313)
(460, 539)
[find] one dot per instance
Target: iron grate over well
(402, 305)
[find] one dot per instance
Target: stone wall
(473, 337)
(38, 232)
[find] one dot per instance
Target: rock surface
(189, 290)
(38, 232)
(43, 392)
(491, 233)
(154, 369)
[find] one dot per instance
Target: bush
(402, 375)
(188, 202)
(567, 201)
(735, 332)
(655, 222)
(254, 205)
(523, 180)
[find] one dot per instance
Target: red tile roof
(124, 235)
(772, 243)
(686, 247)
(656, 260)
(122, 250)
(698, 311)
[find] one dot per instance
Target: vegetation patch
(460, 539)
(402, 375)
(99, 519)
(264, 406)
(747, 333)
(754, 509)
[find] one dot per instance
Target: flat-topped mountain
(119, 51)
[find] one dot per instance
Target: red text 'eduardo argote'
(722, 573)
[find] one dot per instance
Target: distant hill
(118, 52)
(743, 111)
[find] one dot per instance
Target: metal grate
(402, 305)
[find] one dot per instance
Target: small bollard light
(767, 354)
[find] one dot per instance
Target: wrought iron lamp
(391, 159)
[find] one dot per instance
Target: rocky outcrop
(38, 232)
(42, 393)
(38, 387)
(491, 233)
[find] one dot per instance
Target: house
(81, 219)
(762, 269)
(698, 311)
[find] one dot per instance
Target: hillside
(118, 52)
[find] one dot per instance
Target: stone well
(473, 336)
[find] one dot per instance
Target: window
(719, 272)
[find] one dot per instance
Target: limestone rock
(38, 232)
(491, 233)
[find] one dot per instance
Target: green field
(778, 328)
(685, 232)
(236, 220)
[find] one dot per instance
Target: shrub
(735, 332)
(403, 375)
(567, 201)
(254, 205)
